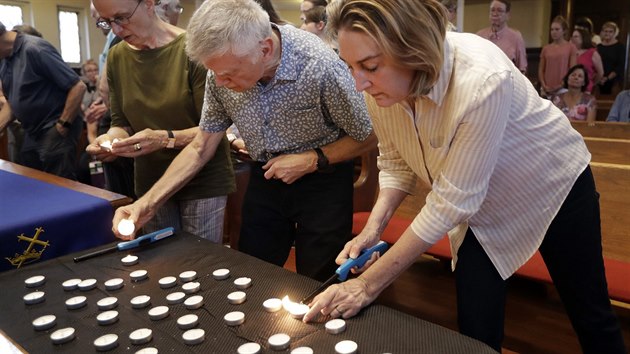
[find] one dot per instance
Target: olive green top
(162, 89)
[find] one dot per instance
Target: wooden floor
(535, 319)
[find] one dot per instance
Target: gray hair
(220, 26)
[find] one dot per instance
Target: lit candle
(296, 310)
(126, 227)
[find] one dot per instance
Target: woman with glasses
(509, 175)
(156, 94)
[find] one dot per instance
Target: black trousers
(572, 251)
(314, 213)
(53, 153)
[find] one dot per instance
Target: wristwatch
(322, 160)
(170, 144)
(64, 123)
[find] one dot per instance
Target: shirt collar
(498, 34)
(17, 44)
(287, 69)
(438, 91)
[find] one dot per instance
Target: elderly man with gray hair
(302, 120)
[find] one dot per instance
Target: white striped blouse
(498, 157)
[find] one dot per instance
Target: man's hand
(139, 213)
(95, 111)
(289, 168)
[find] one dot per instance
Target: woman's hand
(100, 148)
(341, 300)
(353, 248)
(141, 143)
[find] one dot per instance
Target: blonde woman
(613, 55)
(509, 175)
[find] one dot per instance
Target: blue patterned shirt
(310, 102)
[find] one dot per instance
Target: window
(69, 36)
(11, 15)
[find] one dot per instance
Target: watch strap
(64, 123)
(322, 160)
(170, 144)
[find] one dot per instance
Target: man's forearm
(5, 116)
(184, 167)
(347, 148)
(73, 102)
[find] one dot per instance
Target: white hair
(221, 26)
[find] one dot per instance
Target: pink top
(586, 59)
(580, 110)
(557, 60)
(511, 43)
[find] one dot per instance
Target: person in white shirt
(509, 175)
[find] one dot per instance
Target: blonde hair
(409, 31)
(612, 25)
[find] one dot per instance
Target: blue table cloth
(40, 221)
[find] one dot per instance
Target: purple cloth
(71, 221)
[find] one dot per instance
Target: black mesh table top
(377, 329)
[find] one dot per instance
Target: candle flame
(295, 309)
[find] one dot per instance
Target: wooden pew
(608, 144)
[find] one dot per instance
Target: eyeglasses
(179, 9)
(120, 21)
(497, 10)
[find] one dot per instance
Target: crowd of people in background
(601, 56)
